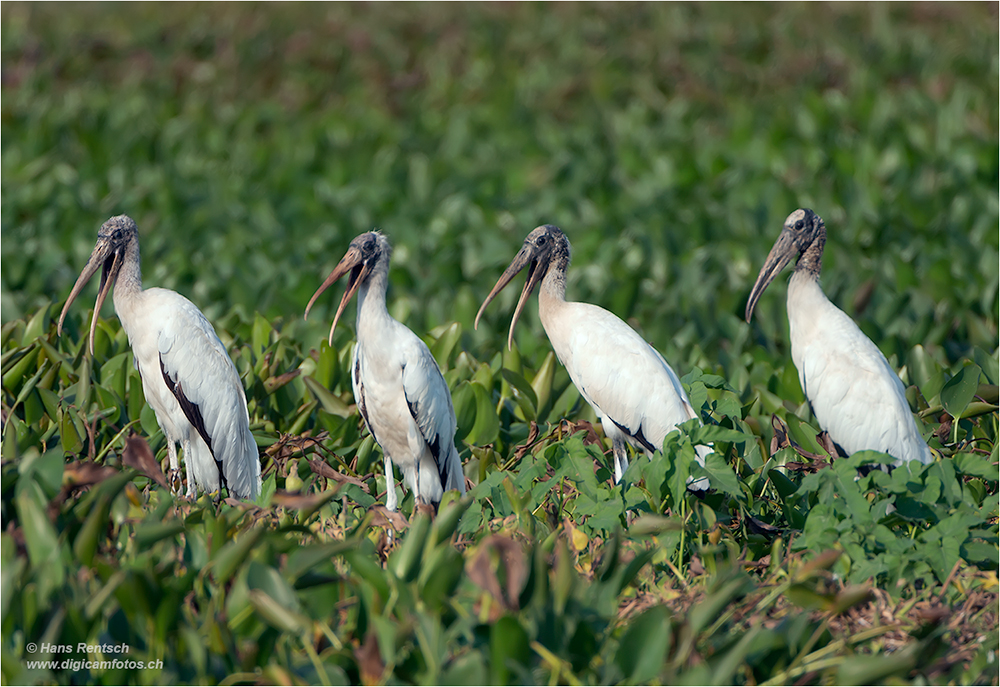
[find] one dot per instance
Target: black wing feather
(637, 435)
(193, 413)
(434, 445)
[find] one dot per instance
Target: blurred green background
(251, 142)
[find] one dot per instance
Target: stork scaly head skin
(542, 245)
(112, 240)
(802, 229)
(362, 255)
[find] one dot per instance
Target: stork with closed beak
(187, 376)
(630, 386)
(398, 385)
(854, 392)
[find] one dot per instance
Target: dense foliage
(669, 141)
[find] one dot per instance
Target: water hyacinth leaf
(523, 393)
(331, 403)
(872, 670)
(82, 398)
(37, 325)
(366, 451)
(446, 337)
(260, 338)
(72, 442)
(86, 541)
(487, 424)
(643, 647)
(924, 372)
(148, 534)
(720, 475)
(542, 382)
(14, 377)
(136, 395)
(989, 365)
(509, 647)
(231, 556)
(270, 581)
(958, 392)
(278, 616)
(974, 465)
(405, 560)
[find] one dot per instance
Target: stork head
(363, 255)
(545, 247)
(113, 238)
(802, 229)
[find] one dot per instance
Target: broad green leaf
(487, 424)
(508, 648)
(523, 393)
(229, 559)
(331, 403)
(644, 645)
(960, 389)
(269, 581)
(446, 337)
(924, 372)
(147, 534)
(542, 382)
(405, 560)
(989, 365)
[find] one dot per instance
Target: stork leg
(390, 486)
(390, 495)
(187, 467)
(620, 456)
(174, 475)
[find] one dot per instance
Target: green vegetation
(252, 142)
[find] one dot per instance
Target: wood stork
(854, 392)
(398, 386)
(630, 386)
(187, 377)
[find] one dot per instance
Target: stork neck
(811, 261)
(128, 282)
(553, 288)
(371, 295)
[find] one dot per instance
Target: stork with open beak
(854, 392)
(630, 386)
(398, 385)
(187, 376)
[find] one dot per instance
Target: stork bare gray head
(546, 246)
(113, 239)
(803, 229)
(363, 255)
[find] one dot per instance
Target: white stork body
(187, 377)
(855, 394)
(398, 386)
(628, 383)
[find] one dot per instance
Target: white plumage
(187, 376)
(855, 394)
(630, 386)
(398, 386)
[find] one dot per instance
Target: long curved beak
(524, 258)
(351, 262)
(781, 254)
(105, 256)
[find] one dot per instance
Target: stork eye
(799, 224)
(540, 241)
(369, 245)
